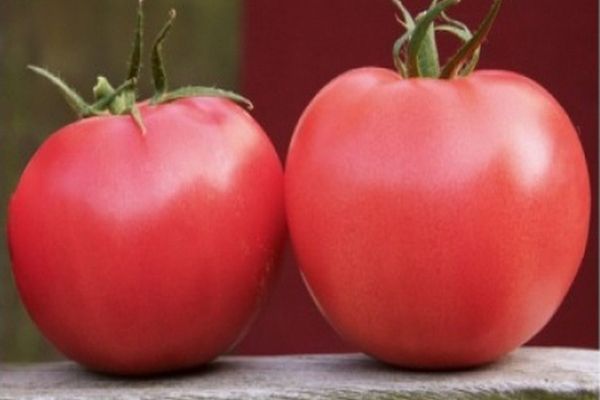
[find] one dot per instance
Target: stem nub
(415, 52)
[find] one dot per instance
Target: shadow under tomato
(87, 375)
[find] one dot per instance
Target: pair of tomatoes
(437, 223)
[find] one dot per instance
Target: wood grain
(529, 373)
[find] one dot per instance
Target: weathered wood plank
(529, 373)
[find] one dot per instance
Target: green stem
(135, 62)
(159, 76)
(122, 100)
(418, 36)
(104, 93)
(74, 100)
(397, 52)
(137, 118)
(464, 34)
(102, 88)
(471, 47)
(106, 101)
(415, 52)
(192, 91)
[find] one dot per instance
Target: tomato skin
(139, 254)
(438, 224)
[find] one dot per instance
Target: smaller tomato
(145, 247)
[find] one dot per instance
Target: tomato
(139, 254)
(146, 249)
(438, 223)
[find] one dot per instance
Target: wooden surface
(529, 373)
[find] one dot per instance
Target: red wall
(292, 48)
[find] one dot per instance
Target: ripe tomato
(145, 248)
(437, 223)
(144, 253)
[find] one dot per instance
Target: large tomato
(437, 223)
(148, 249)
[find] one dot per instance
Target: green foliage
(82, 40)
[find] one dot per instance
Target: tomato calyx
(123, 99)
(415, 52)
(159, 78)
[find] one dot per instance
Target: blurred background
(277, 53)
